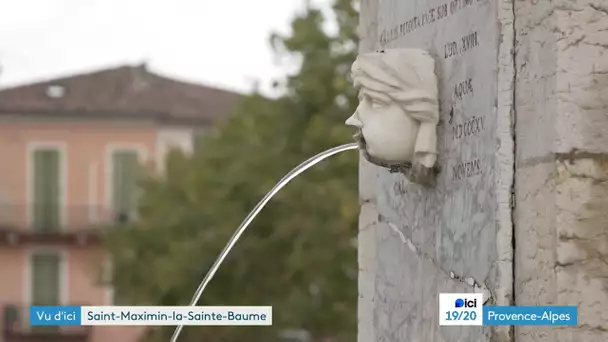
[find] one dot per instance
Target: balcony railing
(16, 328)
(75, 223)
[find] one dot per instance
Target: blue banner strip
(530, 315)
(55, 315)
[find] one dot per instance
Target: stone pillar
(416, 242)
(520, 210)
(561, 213)
(456, 237)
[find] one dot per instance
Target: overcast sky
(221, 43)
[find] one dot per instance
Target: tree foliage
(299, 254)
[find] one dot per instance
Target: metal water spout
(397, 119)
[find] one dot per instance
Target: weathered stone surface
(582, 238)
(367, 197)
(581, 75)
(562, 81)
(535, 281)
(544, 63)
(562, 244)
(462, 226)
(407, 284)
(456, 221)
(451, 229)
(535, 73)
(368, 220)
(535, 235)
(368, 175)
(562, 168)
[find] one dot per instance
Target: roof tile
(123, 91)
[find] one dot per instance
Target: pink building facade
(70, 152)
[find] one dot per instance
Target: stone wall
(537, 82)
(561, 215)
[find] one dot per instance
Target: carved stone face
(389, 133)
(398, 107)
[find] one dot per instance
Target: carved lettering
(442, 11)
(451, 50)
(466, 43)
(463, 88)
(471, 127)
(467, 169)
(469, 42)
(457, 5)
(429, 16)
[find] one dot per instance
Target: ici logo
(464, 303)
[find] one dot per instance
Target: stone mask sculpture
(398, 111)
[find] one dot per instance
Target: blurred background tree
(299, 255)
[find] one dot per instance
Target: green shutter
(46, 280)
(197, 138)
(124, 182)
(47, 194)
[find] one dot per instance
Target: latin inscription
(466, 43)
(457, 5)
(460, 171)
(464, 88)
(463, 38)
(467, 169)
(469, 42)
(429, 16)
(470, 127)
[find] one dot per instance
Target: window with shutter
(46, 190)
(198, 137)
(125, 175)
(46, 278)
(45, 282)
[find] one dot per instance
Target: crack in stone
(596, 256)
(571, 156)
(574, 43)
(599, 8)
(576, 154)
(566, 237)
(561, 7)
(470, 281)
(592, 328)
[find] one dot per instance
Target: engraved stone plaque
(454, 225)
(463, 38)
